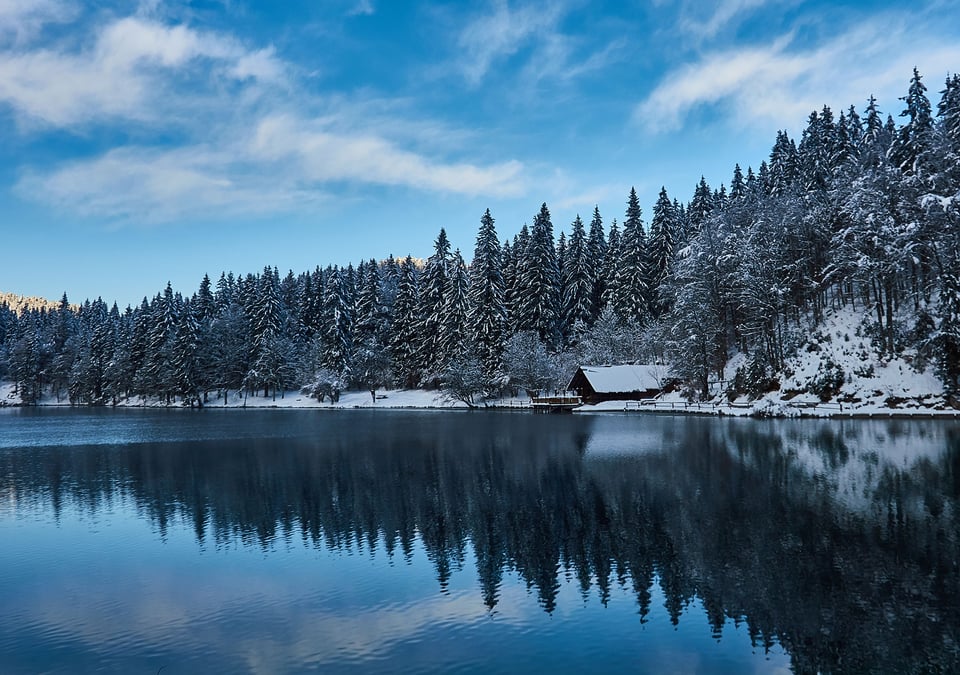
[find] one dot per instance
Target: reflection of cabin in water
(618, 383)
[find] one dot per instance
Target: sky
(154, 141)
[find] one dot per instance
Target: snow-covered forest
(860, 214)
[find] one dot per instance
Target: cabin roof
(612, 379)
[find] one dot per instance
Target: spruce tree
(453, 327)
(337, 335)
(433, 287)
(632, 279)
(538, 281)
(578, 279)
(597, 252)
(913, 140)
(662, 248)
(610, 266)
(405, 338)
(486, 322)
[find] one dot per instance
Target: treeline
(861, 213)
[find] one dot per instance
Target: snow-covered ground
(395, 398)
(7, 395)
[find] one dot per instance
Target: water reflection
(836, 540)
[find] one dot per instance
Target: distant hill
(24, 303)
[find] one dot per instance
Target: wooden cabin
(618, 383)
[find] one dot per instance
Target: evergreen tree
(156, 375)
(783, 169)
(337, 336)
(486, 321)
(701, 206)
(611, 263)
(578, 282)
(597, 252)
(406, 326)
(205, 303)
(662, 245)
(949, 111)
(914, 138)
(738, 188)
(185, 357)
(370, 312)
(433, 287)
(538, 281)
(631, 281)
(453, 329)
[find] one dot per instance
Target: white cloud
(368, 158)
(779, 83)
(248, 138)
(284, 164)
(362, 8)
(725, 13)
(118, 76)
(493, 37)
(21, 20)
(149, 185)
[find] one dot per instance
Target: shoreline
(767, 408)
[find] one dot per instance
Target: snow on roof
(611, 379)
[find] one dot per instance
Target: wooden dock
(555, 404)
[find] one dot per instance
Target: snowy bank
(387, 399)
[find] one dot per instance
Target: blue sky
(153, 141)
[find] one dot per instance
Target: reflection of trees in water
(731, 517)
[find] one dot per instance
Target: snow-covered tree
(578, 272)
(538, 282)
(486, 314)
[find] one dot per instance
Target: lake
(146, 541)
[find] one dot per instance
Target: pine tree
(205, 303)
(784, 165)
(947, 336)
(370, 312)
(818, 151)
(337, 335)
(631, 280)
(914, 138)
(405, 340)
(738, 188)
(432, 303)
(949, 111)
(156, 374)
(538, 281)
(701, 206)
(610, 266)
(578, 279)
(265, 309)
(453, 328)
(597, 252)
(486, 322)
(662, 248)
(185, 359)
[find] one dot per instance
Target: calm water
(374, 541)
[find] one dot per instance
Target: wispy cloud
(136, 185)
(362, 8)
(782, 81)
(284, 164)
(250, 137)
(493, 37)
(725, 14)
(368, 158)
(531, 36)
(21, 20)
